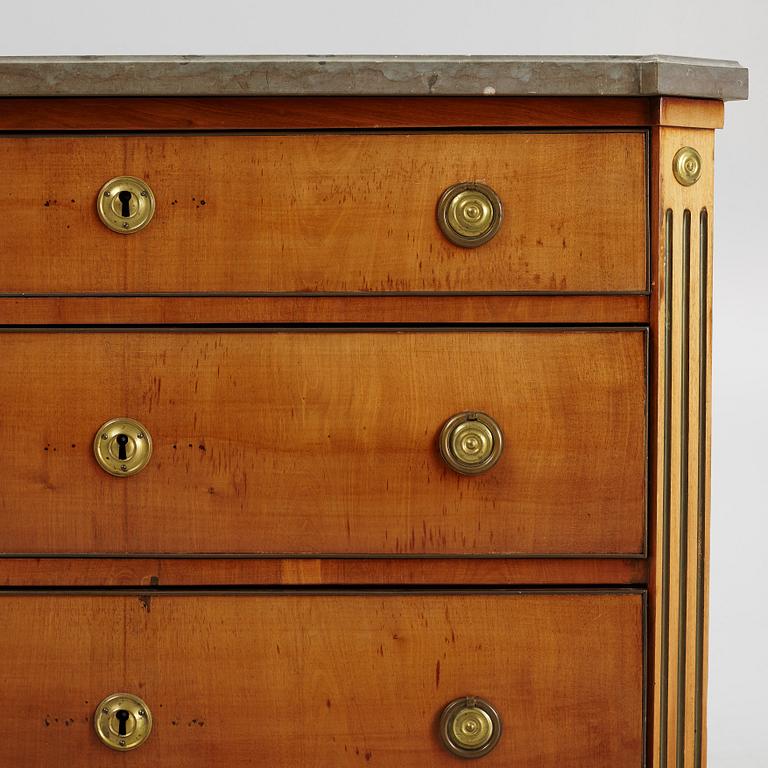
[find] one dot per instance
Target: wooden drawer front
(311, 213)
(325, 442)
(295, 680)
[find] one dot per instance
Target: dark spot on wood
(154, 581)
(146, 602)
(202, 202)
(201, 446)
(437, 674)
(328, 703)
(368, 756)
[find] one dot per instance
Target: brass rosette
(686, 165)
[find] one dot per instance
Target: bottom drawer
(293, 679)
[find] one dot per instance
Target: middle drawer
(326, 442)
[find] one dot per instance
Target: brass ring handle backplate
(122, 721)
(470, 727)
(125, 204)
(469, 214)
(471, 442)
(122, 447)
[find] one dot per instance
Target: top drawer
(310, 213)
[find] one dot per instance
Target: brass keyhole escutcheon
(122, 721)
(122, 447)
(471, 442)
(469, 727)
(125, 204)
(469, 214)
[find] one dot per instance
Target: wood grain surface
(327, 681)
(278, 310)
(679, 573)
(326, 213)
(690, 113)
(164, 572)
(311, 113)
(325, 442)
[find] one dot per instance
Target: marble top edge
(372, 75)
(313, 58)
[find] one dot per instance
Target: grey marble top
(372, 76)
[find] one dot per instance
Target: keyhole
(122, 716)
(122, 441)
(125, 198)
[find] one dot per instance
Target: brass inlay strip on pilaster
(684, 440)
(666, 485)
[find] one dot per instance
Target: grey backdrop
(738, 680)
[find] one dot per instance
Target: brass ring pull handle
(125, 204)
(470, 727)
(469, 214)
(122, 447)
(122, 721)
(471, 442)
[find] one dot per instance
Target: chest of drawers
(356, 411)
